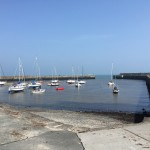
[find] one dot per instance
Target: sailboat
(1, 72)
(111, 82)
(77, 84)
(115, 87)
(54, 81)
(2, 83)
(72, 81)
(82, 81)
(36, 83)
(115, 90)
(20, 85)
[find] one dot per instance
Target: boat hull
(40, 91)
(14, 89)
(2, 83)
(60, 88)
(71, 81)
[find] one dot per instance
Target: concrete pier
(28, 78)
(132, 76)
(135, 76)
(148, 83)
(139, 117)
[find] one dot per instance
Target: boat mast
(37, 69)
(82, 71)
(73, 74)
(55, 72)
(19, 69)
(1, 71)
(111, 72)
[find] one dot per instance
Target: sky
(89, 34)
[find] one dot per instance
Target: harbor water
(94, 96)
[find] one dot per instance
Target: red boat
(60, 88)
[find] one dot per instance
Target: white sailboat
(36, 83)
(54, 81)
(115, 88)
(20, 85)
(82, 81)
(77, 84)
(2, 83)
(111, 82)
(1, 73)
(16, 88)
(72, 81)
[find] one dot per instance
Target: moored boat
(20, 86)
(77, 85)
(38, 91)
(16, 88)
(82, 82)
(115, 90)
(53, 84)
(55, 81)
(2, 83)
(60, 88)
(71, 81)
(34, 84)
(111, 82)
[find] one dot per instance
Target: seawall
(148, 83)
(132, 76)
(29, 78)
(136, 76)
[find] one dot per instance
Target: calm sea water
(95, 95)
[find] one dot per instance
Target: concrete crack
(137, 135)
(80, 141)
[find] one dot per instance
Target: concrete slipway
(24, 129)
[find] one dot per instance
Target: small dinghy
(38, 91)
(60, 88)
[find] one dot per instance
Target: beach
(28, 128)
